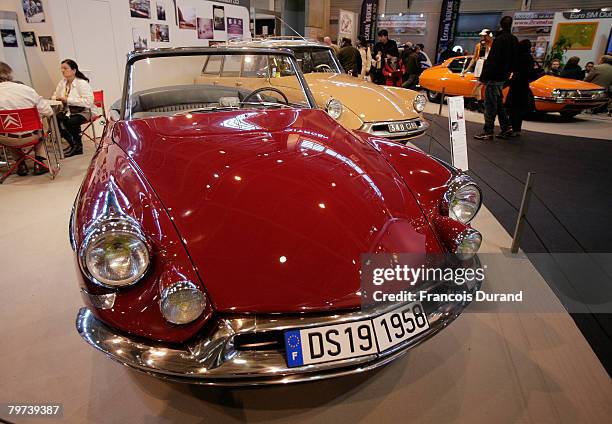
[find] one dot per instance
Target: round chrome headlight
(419, 103)
(182, 302)
(468, 244)
(334, 108)
(462, 199)
(115, 253)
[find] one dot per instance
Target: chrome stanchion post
(522, 214)
(441, 101)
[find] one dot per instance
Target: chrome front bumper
(381, 129)
(218, 359)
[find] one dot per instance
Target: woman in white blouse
(76, 95)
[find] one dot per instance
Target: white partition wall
(11, 47)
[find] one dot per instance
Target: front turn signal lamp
(115, 253)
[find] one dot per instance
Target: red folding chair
(99, 103)
(23, 123)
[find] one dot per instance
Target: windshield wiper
(267, 104)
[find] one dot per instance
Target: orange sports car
(569, 97)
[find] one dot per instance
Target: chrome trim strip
(102, 301)
(423, 126)
(213, 360)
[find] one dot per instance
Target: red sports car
(219, 232)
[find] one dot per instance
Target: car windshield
(316, 60)
(205, 82)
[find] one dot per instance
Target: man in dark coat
(495, 72)
(411, 66)
(572, 69)
(383, 49)
(518, 99)
(349, 58)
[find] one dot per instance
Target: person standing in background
(588, 68)
(517, 101)
(382, 49)
(77, 98)
(423, 58)
(602, 75)
(349, 58)
(366, 56)
(411, 66)
(481, 52)
(495, 72)
(555, 68)
(572, 69)
(328, 41)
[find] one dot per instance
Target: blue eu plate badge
(293, 347)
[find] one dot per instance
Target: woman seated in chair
(14, 95)
(77, 97)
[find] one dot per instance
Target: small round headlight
(182, 302)
(115, 253)
(462, 200)
(419, 103)
(468, 244)
(334, 108)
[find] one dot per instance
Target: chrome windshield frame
(133, 57)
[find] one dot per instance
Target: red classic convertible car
(218, 231)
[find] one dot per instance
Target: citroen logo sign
(9, 121)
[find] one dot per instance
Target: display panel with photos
(140, 39)
(234, 28)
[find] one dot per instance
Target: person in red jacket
(393, 71)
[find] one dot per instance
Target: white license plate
(358, 338)
(402, 126)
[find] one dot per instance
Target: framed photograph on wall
(33, 11)
(160, 7)
(46, 43)
(580, 34)
(160, 33)
(205, 29)
(187, 17)
(140, 39)
(140, 9)
(234, 28)
(219, 18)
(9, 37)
(29, 38)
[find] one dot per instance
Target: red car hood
(275, 207)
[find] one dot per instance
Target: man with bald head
(328, 41)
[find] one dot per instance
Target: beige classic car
(391, 112)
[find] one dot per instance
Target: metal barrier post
(441, 101)
(520, 222)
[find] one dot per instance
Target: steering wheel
(259, 90)
(324, 67)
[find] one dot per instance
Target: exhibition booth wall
(98, 34)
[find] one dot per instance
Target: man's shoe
(484, 136)
(22, 170)
(75, 151)
(39, 169)
(505, 134)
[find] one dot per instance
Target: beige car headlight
(419, 103)
(115, 253)
(334, 108)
